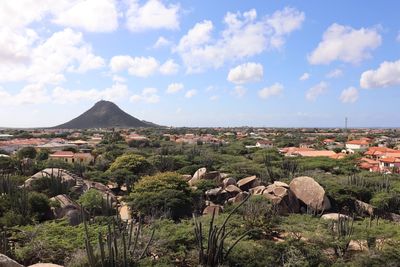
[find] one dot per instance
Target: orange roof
(317, 153)
(358, 142)
(390, 160)
(62, 154)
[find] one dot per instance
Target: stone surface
(197, 176)
(7, 262)
(214, 208)
(45, 265)
(334, 216)
(247, 183)
(233, 189)
(228, 181)
(66, 177)
(310, 193)
(258, 190)
(238, 198)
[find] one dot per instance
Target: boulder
(282, 184)
(66, 177)
(45, 265)
(216, 195)
(232, 189)
(209, 210)
(187, 177)
(310, 193)
(334, 216)
(214, 175)
(197, 176)
(74, 217)
(238, 198)
(258, 190)
(7, 262)
(249, 182)
(285, 201)
(228, 181)
(66, 206)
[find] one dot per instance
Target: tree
(91, 200)
(26, 152)
(39, 206)
(164, 193)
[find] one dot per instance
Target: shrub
(162, 193)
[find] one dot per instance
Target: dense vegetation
(148, 176)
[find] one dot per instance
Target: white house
(264, 144)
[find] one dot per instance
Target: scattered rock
(197, 176)
(187, 177)
(7, 262)
(258, 190)
(334, 216)
(232, 189)
(238, 198)
(282, 184)
(228, 181)
(214, 175)
(249, 182)
(310, 193)
(210, 209)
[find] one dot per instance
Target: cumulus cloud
(388, 74)
(191, 93)
(47, 61)
(115, 92)
(161, 42)
(148, 95)
(349, 95)
(248, 72)
(151, 16)
(336, 73)
(239, 91)
(305, 76)
(273, 90)
(174, 88)
(89, 15)
(344, 43)
(169, 67)
(315, 91)
(244, 36)
(136, 66)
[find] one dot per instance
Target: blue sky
(202, 63)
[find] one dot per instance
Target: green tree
(162, 194)
(91, 200)
(39, 206)
(26, 152)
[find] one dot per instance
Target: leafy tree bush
(164, 193)
(134, 163)
(91, 200)
(26, 152)
(39, 206)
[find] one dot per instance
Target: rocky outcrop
(258, 190)
(66, 177)
(67, 209)
(45, 265)
(197, 176)
(228, 181)
(247, 183)
(308, 191)
(285, 201)
(7, 262)
(209, 210)
(238, 198)
(334, 216)
(369, 210)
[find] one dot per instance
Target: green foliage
(39, 206)
(134, 163)
(164, 193)
(26, 152)
(91, 200)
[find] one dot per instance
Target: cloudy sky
(202, 63)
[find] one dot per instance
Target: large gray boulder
(7, 262)
(65, 176)
(228, 181)
(285, 201)
(307, 190)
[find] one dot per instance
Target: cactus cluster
(119, 246)
(212, 251)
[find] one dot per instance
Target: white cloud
(239, 91)
(152, 15)
(169, 67)
(191, 93)
(313, 93)
(248, 72)
(174, 88)
(161, 42)
(46, 63)
(244, 36)
(336, 73)
(148, 95)
(273, 90)
(388, 74)
(89, 15)
(305, 76)
(115, 92)
(349, 95)
(136, 66)
(214, 98)
(119, 79)
(343, 43)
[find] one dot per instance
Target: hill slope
(104, 114)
